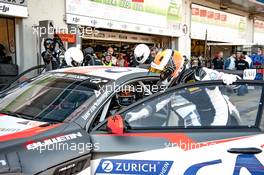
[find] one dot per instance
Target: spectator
(107, 59)
(241, 63)
(110, 51)
(3, 58)
(248, 59)
(230, 63)
(238, 55)
(258, 61)
(218, 62)
(121, 62)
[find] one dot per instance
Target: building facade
(184, 25)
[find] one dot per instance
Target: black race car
(69, 121)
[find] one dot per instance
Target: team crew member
(74, 57)
(90, 59)
(173, 70)
(49, 55)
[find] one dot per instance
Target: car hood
(11, 125)
(21, 140)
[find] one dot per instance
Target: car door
(199, 128)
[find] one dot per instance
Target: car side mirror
(115, 124)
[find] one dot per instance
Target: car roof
(113, 73)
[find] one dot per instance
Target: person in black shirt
(241, 63)
(218, 62)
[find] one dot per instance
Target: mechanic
(173, 70)
(90, 59)
(74, 57)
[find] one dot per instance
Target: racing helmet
(126, 96)
(49, 44)
(88, 51)
(141, 53)
(74, 57)
(169, 63)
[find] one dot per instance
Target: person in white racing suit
(74, 57)
(215, 110)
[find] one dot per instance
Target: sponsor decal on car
(9, 130)
(95, 106)
(54, 140)
(130, 167)
(10, 125)
(255, 167)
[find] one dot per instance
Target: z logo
(107, 166)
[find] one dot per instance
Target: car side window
(206, 106)
(141, 88)
(129, 94)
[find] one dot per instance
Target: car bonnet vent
(72, 168)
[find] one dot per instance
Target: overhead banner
(220, 26)
(16, 8)
(259, 32)
(122, 37)
(143, 16)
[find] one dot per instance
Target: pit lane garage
(197, 128)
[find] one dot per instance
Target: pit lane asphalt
(247, 105)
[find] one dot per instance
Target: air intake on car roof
(71, 168)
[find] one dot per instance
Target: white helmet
(141, 53)
(74, 57)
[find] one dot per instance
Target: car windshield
(51, 97)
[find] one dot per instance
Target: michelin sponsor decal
(54, 140)
(131, 167)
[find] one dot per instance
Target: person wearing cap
(107, 59)
(110, 51)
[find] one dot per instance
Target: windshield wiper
(11, 113)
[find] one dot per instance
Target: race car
(70, 121)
